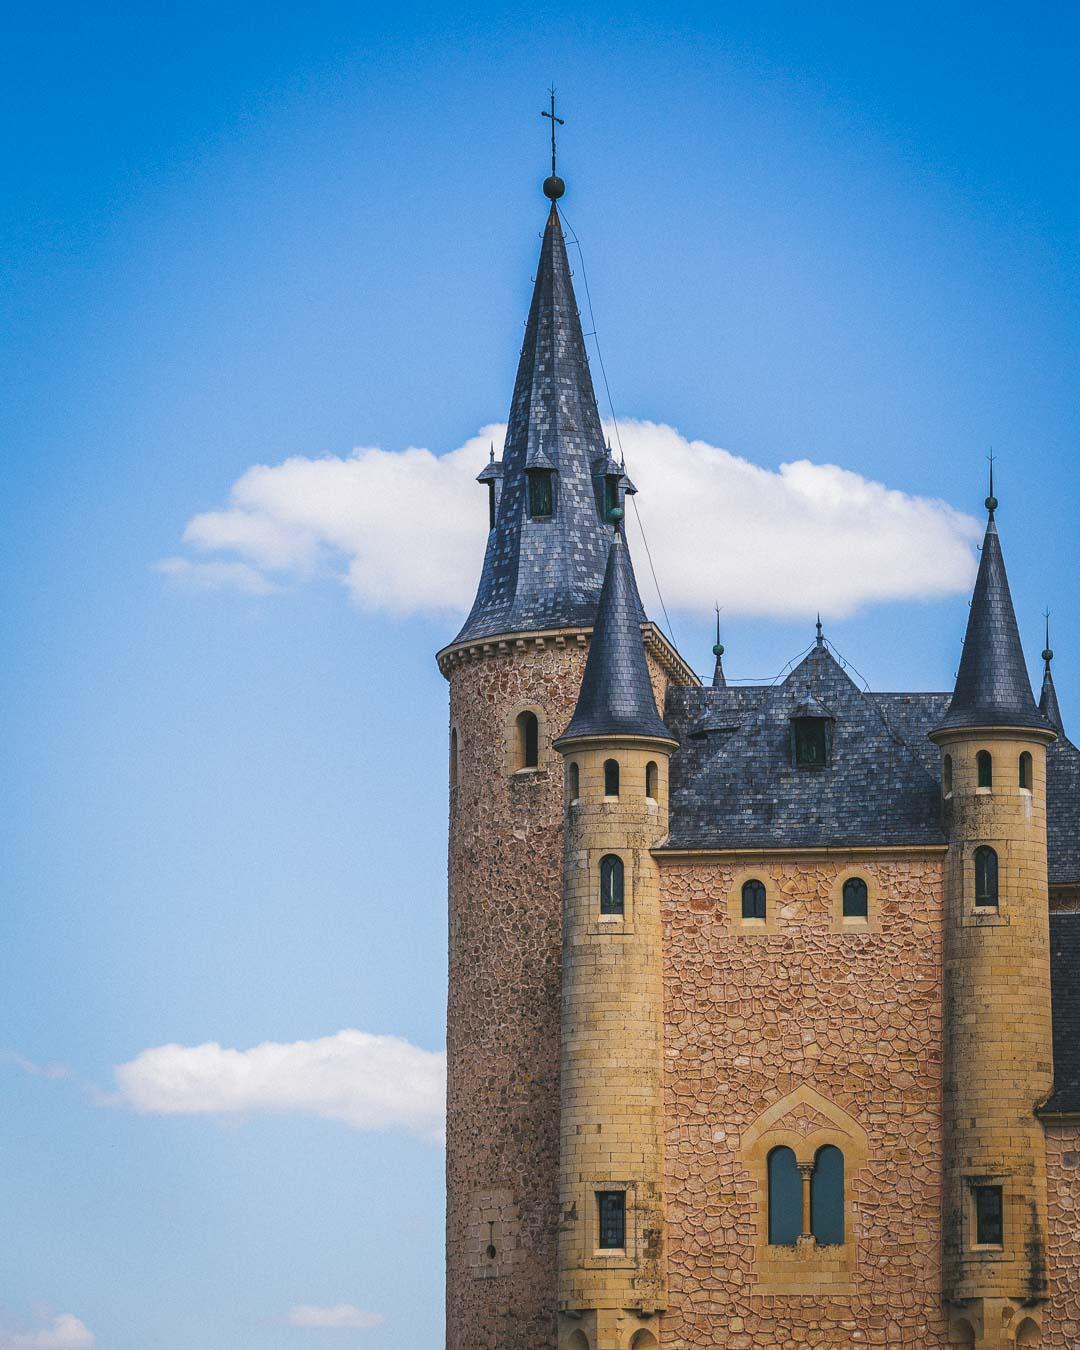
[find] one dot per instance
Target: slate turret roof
(547, 573)
(616, 697)
(1048, 699)
(992, 686)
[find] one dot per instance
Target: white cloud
(405, 531)
(64, 1332)
(369, 1082)
(216, 576)
(53, 1071)
(339, 1317)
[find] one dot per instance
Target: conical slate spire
(1048, 699)
(616, 697)
(992, 685)
(546, 571)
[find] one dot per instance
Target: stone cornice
(884, 852)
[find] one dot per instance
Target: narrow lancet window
(856, 898)
(541, 493)
(986, 876)
(453, 758)
(946, 776)
(611, 777)
(984, 767)
(611, 1206)
(651, 776)
(528, 736)
(785, 1198)
(827, 1197)
(611, 884)
(1025, 771)
(753, 899)
(574, 781)
(989, 1216)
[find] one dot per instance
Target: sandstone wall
(1061, 1321)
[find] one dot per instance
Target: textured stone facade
(1061, 1321)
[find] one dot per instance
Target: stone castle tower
(762, 1028)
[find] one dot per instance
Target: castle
(764, 1002)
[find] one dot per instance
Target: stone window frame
(753, 927)
(592, 1255)
(454, 756)
(872, 922)
(984, 916)
(987, 1251)
(510, 737)
(807, 1269)
(615, 924)
(494, 1218)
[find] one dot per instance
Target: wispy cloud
(64, 1332)
(405, 531)
(369, 1082)
(339, 1317)
(216, 576)
(18, 1061)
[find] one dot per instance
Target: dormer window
(811, 733)
(611, 494)
(541, 493)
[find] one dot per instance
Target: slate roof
(616, 697)
(540, 574)
(1063, 813)
(1048, 701)
(1065, 992)
(992, 684)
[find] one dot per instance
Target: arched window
(573, 780)
(611, 777)
(785, 1198)
(855, 898)
(578, 1341)
(753, 899)
(986, 876)
(528, 735)
(453, 757)
(652, 774)
(946, 776)
(827, 1197)
(644, 1340)
(611, 884)
(1025, 771)
(985, 766)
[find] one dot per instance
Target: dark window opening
(652, 774)
(491, 506)
(753, 900)
(810, 742)
(989, 1216)
(984, 764)
(611, 777)
(574, 780)
(611, 495)
(856, 899)
(986, 876)
(528, 740)
(541, 493)
(827, 1197)
(453, 758)
(1025, 771)
(785, 1198)
(611, 884)
(612, 1212)
(946, 775)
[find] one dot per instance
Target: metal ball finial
(554, 187)
(991, 504)
(718, 649)
(1048, 655)
(615, 514)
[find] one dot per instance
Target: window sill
(527, 772)
(984, 792)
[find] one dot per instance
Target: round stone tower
(998, 1063)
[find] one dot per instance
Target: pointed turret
(545, 557)
(992, 685)
(616, 697)
(719, 680)
(1048, 699)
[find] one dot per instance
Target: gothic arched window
(785, 1198)
(1025, 771)
(855, 898)
(611, 777)
(753, 899)
(827, 1197)
(984, 765)
(611, 884)
(986, 876)
(652, 774)
(528, 735)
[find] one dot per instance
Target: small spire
(991, 501)
(1048, 699)
(820, 639)
(554, 187)
(719, 681)
(491, 452)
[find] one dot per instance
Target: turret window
(856, 898)
(986, 877)
(984, 767)
(611, 885)
(989, 1216)
(541, 493)
(652, 774)
(611, 1207)
(946, 776)
(528, 740)
(611, 777)
(573, 785)
(453, 758)
(753, 899)
(1025, 771)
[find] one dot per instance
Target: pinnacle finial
(820, 639)
(1048, 654)
(718, 649)
(491, 452)
(991, 501)
(554, 187)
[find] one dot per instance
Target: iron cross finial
(554, 120)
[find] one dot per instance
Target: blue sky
(234, 235)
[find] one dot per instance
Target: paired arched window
(986, 876)
(1025, 771)
(984, 766)
(855, 898)
(453, 757)
(753, 899)
(611, 884)
(573, 785)
(652, 777)
(528, 740)
(806, 1201)
(946, 776)
(611, 777)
